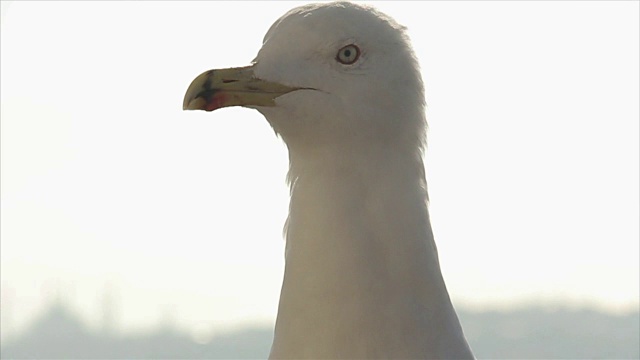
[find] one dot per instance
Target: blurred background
(132, 229)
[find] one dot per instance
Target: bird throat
(362, 276)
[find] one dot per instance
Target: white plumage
(362, 278)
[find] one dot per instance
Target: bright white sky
(107, 184)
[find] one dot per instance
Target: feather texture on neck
(362, 277)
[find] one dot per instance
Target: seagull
(340, 84)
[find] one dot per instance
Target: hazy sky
(107, 184)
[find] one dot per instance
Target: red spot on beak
(216, 102)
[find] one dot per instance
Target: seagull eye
(348, 54)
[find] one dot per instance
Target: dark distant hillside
(535, 333)
(532, 333)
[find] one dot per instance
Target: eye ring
(348, 55)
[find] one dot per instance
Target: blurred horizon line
(110, 309)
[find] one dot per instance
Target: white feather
(362, 278)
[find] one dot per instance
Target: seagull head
(326, 75)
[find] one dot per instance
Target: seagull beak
(215, 89)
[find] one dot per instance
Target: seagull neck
(360, 207)
(360, 255)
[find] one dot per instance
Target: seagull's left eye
(348, 54)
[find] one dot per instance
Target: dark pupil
(347, 53)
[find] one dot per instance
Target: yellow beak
(215, 89)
